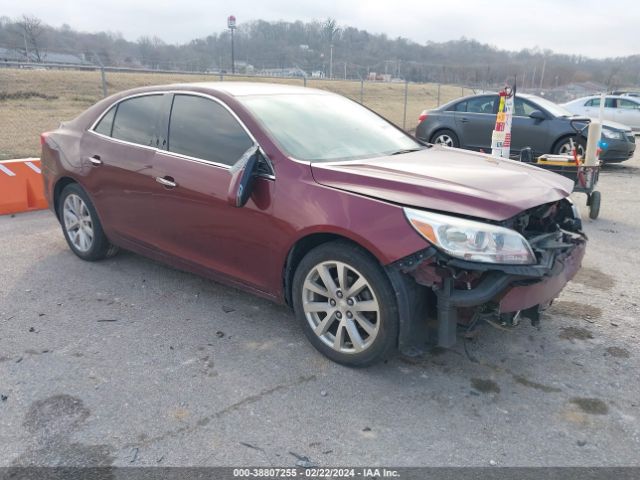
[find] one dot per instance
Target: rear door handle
(168, 182)
(464, 120)
(95, 160)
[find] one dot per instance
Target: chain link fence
(35, 98)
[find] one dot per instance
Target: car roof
(239, 89)
(483, 94)
(589, 97)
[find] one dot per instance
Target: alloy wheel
(341, 307)
(565, 149)
(444, 139)
(78, 223)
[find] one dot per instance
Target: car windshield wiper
(406, 150)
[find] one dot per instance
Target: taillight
(422, 116)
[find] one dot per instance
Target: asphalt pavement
(128, 362)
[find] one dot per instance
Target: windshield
(553, 108)
(321, 127)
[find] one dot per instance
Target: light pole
(231, 23)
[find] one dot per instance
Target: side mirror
(242, 175)
(537, 115)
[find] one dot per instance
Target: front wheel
(594, 205)
(346, 305)
(563, 147)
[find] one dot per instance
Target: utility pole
(331, 60)
(544, 64)
(231, 23)
(533, 78)
(26, 48)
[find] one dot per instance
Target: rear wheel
(594, 205)
(81, 227)
(446, 138)
(345, 303)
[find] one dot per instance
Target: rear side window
(202, 128)
(594, 102)
(106, 123)
(460, 107)
(136, 119)
(481, 104)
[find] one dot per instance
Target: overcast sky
(589, 27)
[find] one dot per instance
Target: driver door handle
(464, 120)
(95, 160)
(167, 181)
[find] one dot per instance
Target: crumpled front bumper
(503, 290)
(522, 297)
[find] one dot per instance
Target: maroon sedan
(376, 240)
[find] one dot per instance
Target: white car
(617, 108)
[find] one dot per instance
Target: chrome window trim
(91, 129)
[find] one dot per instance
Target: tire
(445, 137)
(337, 315)
(562, 146)
(594, 204)
(85, 237)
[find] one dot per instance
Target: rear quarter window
(106, 123)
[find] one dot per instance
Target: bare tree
(31, 29)
(330, 31)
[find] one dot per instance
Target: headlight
(574, 209)
(472, 241)
(612, 134)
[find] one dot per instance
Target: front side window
(135, 119)
(522, 108)
(627, 104)
(202, 128)
(593, 102)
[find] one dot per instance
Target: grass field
(34, 101)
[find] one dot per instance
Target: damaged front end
(499, 272)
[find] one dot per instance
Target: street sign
(231, 22)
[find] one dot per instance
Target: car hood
(448, 180)
(605, 123)
(615, 125)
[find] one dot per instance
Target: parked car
(626, 93)
(309, 199)
(537, 123)
(618, 108)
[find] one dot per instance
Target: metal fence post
(438, 95)
(104, 82)
(221, 76)
(361, 90)
(406, 94)
(305, 80)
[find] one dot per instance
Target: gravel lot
(128, 362)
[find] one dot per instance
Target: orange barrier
(21, 187)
